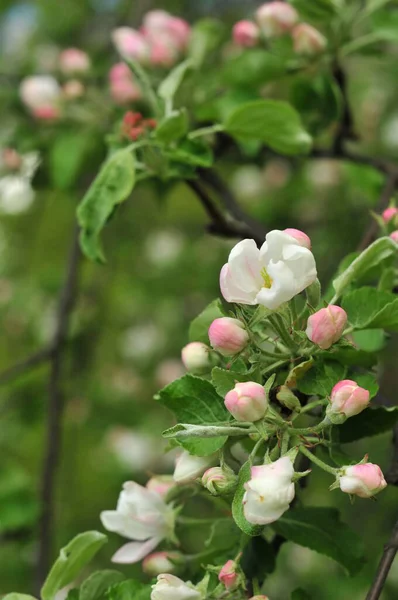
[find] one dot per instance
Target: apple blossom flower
(16, 192)
(363, 480)
(307, 40)
(271, 275)
(245, 34)
(41, 94)
(276, 18)
(74, 60)
(247, 401)
(389, 213)
(124, 88)
(159, 562)
(189, 467)
(301, 238)
(269, 492)
(162, 53)
(228, 336)
(170, 587)
(161, 484)
(131, 44)
(196, 357)
(326, 326)
(394, 236)
(229, 575)
(219, 480)
(159, 24)
(347, 398)
(141, 515)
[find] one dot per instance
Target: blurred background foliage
(132, 314)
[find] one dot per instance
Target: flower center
(267, 279)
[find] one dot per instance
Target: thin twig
(26, 365)
(390, 550)
(55, 410)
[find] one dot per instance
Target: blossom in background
(363, 480)
(245, 34)
(140, 515)
(271, 275)
(123, 86)
(307, 40)
(169, 370)
(131, 44)
(170, 587)
(41, 94)
(16, 192)
(276, 18)
(74, 61)
(135, 450)
(269, 492)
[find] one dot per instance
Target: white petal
(244, 265)
(301, 262)
(133, 552)
(283, 286)
(272, 249)
(113, 521)
(231, 292)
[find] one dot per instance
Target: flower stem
(279, 326)
(275, 365)
(205, 131)
(318, 461)
(285, 442)
(308, 430)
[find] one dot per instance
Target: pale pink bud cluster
(389, 214)
(219, 480)
(196, 357)
(160, 41)
(363, 480)
(73, 61)
(247, 401)
(245, 34)
(73, 89)
(229, 575)
(394, 236)
(301, 238)
(326, 326)
(348, 398)
(228, 336)
(161, 562)
(124, 89)
(276, 18)
(307, 40)
(161, 484)
(41, 94)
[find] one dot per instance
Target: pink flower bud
(123, 87)
(276, 18)
(363, 480)
(301, 238)
(348, 398)
(229, 576)
(73, 89)
(326, 326)
(11, 159)
(162, 562)
(161, 484)
(245, 34)
(131, 44)
(162, 53)
(389, 214)
(196, 357)
(394, 236)
(74, 60)
(228, 336)
(307, 40)
(41, 94)
(219, 480)
(247, 401)
(46, 113)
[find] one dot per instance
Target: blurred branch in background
(390, 551)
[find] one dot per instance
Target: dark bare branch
(390, 550)
(25, 365)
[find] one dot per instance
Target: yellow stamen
(267, 279)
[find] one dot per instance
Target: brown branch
(390, 550)
(25, 365)
(55, 410)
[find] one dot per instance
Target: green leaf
(169, 86)
(67, 155)
(318, 100)
(173, 127)
(369, 258)
(320, 529)
(112, 186)
(367, 381)
(300, 594)
(206, 36)
(259, 559)
(95, 586)
(224, 535)
(192, 152)
(224, 380)
(17, 596)
(369, 308)
(72, 559)
(321, 378)
(254, 67)
(369, 340)
(316, 10)
(372, 421)
(237, 503)
(274, 122)
(194, 400)
(198, 330)
(129, 590)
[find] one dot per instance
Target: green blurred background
(132, 314)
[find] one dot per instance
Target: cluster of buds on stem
(134, 126)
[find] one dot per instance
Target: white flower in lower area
(140, 515)
(16, 194)
(169, 587)
(271, 275)
(269, 492)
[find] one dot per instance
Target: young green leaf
(198, 330)
(206, 36)
(224, 380)
(372, 421)
(369, 308)
(320, 529)
(237, 504)
(95, 586)
(17, 596)
(112, 186)
(321, 378)
(274, 122)
(129, 590)
(317, 10)
(173, 127)
(72, 559)
(169, 86)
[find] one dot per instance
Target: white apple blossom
(170, 587)
(271, 275)
(39, 90)
(16, 192)
(189, 467)
(269, 492)
(141, 515)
